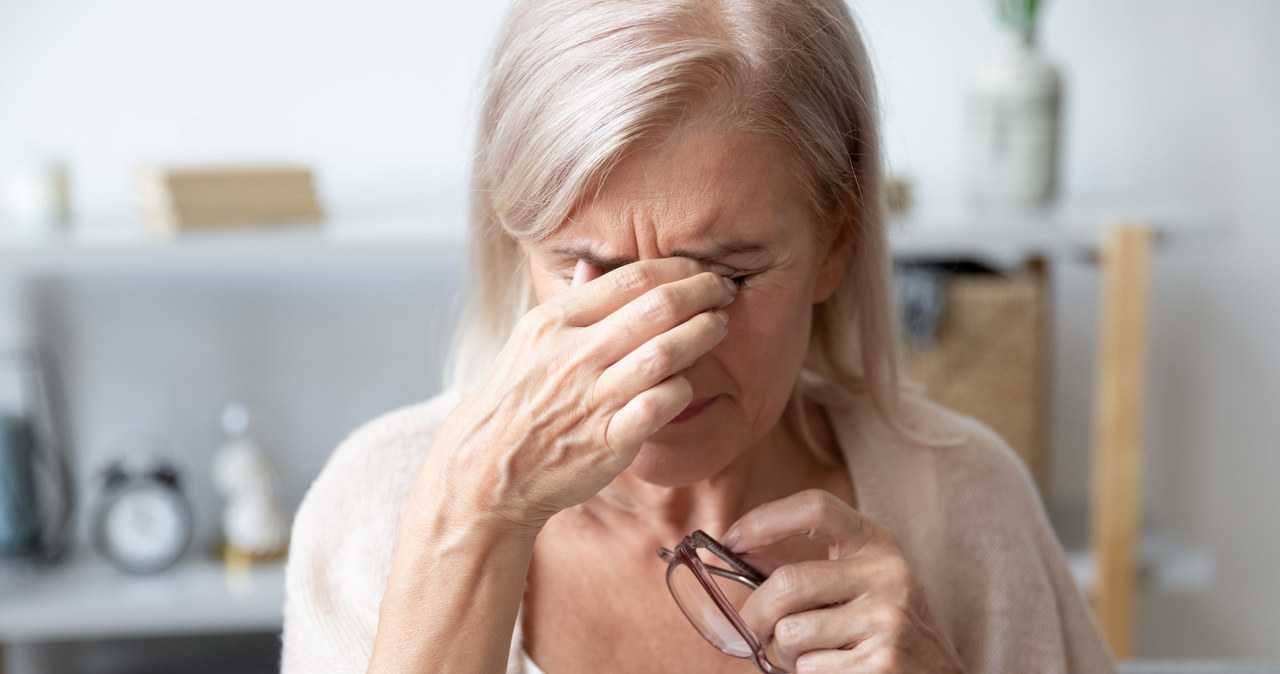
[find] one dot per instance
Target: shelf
(1065, 231)
(87, 599)
(373, 245)
(407, 242)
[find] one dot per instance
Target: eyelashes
(739, 280)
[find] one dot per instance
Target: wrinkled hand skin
(585, 377)
(860, 610)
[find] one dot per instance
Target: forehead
(699, 187)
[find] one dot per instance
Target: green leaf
(1019, 14)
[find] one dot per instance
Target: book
(181, 198)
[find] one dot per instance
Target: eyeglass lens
(702, 610)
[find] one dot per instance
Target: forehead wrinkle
(689, 235)
(676, 197)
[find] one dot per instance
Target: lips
(694, 409)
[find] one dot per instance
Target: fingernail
(580, 273)
(723, 316)
(733, 287)
(730, 538)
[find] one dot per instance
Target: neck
(777, 465)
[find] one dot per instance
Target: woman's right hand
(585, 377)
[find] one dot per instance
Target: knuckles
(821, 505)
(659, 305)
(787, 632)
(886, 660)
(632, 278)
(649, 410)
(657, 358)
(542, 319)
(789, 580)
(892, 622)
(895, 574)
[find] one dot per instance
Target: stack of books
(177, 199)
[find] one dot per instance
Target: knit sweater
(967, 516)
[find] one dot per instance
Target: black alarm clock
(141, 520)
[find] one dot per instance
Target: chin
(682, 463)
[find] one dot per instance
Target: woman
(679, 320)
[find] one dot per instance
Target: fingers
(812, 632)
(855, 661)
(589, 303)
(663, 308)
(646, 414)
(861, 637)
(814, 513)
(663, 355)
(795, 588)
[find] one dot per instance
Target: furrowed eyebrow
(712, 254)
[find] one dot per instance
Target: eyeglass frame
(740, 571)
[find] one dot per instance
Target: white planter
(34, 197)
(1012, 109)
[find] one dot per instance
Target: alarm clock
(141, 521)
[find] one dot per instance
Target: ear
(834, 256)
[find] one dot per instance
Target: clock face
(145, 528)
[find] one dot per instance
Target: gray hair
(576, 83)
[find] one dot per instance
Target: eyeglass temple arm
(700, 538)
(669, 557)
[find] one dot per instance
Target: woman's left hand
(859, 610)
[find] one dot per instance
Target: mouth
(694, 409)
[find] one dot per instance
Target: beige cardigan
(968, 517)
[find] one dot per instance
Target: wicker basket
(987, 359)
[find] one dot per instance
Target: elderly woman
(679, 321)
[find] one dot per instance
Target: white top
(967, 516)
(529, 666)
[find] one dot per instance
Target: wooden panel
(1118, 428)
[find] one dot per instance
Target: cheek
(547, 283)
(767, 340)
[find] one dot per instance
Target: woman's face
(735, 199)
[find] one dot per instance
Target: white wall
(1164, 99)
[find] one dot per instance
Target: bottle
(254, 525)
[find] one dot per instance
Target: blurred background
(177, 339)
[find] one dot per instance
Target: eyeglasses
(711, 596)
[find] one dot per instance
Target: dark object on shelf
(19, 519)
(919, 294)
(36, 487)
(974, 341)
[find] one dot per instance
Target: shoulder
(982, 494)
(370, 474)
(947, 450)
(973, 525)
(946, 484)
(345, 530)
(391, 440)
(968, 453)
